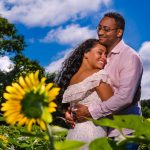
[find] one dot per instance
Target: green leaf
(107, 122)
(46, 116)
(68, 145)
(139, 125)
(2, 119)
(100, 143)
(59, 130)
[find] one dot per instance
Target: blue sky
(52, 28)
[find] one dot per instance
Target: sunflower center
(32, 105)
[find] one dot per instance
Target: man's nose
(100, 32)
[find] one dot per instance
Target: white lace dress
(83, 93)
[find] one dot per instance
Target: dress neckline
(75, 84)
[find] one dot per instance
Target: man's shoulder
(127, 50)
(128, 47)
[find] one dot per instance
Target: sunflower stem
(51, 140)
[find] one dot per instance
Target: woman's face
(96, 57)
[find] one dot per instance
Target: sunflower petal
(52, 104)
(18, 88)
(27, 79)
(32, 79)
(13, 90)
(12, 96)
(29, 126)
(42, 124)
(43, 80)
(53, 93)
(48, 86)
(22, 82)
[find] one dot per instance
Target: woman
(83, 80)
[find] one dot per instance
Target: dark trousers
(132, 146)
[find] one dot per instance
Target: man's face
(108, 31)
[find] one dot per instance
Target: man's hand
(82, 113)
(69, 118)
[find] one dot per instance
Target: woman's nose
(103, 56)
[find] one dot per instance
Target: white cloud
(71, 35)
(56, 65)
(48, 12)
(6, 64)
(145, 55)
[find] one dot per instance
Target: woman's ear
(86, 55)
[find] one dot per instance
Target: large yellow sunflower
(30, 101)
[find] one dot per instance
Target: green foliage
(18, 137)
(138, 124)
(145, 105)
(68, 145)
(100, 143)
(10, 41)
(24, 66)
(50, 77)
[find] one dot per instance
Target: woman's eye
(100, 53)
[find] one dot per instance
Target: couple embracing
(101, 78)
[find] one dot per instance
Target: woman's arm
(104, 91)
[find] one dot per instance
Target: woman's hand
(69, 117)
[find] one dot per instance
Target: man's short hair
(118, 18)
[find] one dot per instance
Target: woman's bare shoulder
(80, 76)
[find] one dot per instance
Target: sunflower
(30, 101)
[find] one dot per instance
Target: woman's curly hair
(72, 64)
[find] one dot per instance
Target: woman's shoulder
(81, 76)
(89, 78)
(101, 75)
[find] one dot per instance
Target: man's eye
(106, 29)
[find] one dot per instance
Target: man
(125, 70)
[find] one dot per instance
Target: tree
(145, 105)
(10, 40)
(24, 65)
(13, 43)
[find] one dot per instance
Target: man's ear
(120, 33)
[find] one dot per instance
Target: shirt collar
(118, 47)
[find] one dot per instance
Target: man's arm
(130, 77)
(104, 91)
